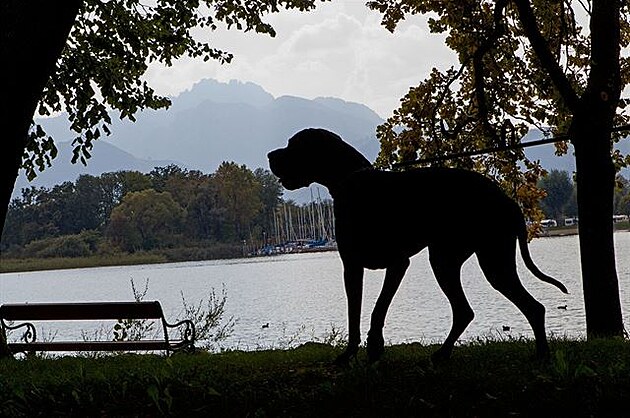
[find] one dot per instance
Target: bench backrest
(79, 311)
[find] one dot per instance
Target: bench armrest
(30, 333)
(188, 334)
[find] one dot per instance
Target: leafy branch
(109, 50)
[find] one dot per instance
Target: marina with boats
(300, 228)
(310, 228)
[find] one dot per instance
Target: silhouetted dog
(383, 218)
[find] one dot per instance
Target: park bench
(13, 312)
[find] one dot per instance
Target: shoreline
(24, 265)
(559, 232)
(574, 230)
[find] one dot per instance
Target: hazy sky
(339, 50)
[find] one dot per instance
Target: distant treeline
(169, 209)
(188, 215)
(561, 199)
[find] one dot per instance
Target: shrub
(78, 245)
(211, 252)
(208, 316)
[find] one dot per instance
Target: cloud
(339, 50)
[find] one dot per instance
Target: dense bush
(77, 245)
(166, 208)
(212, 251)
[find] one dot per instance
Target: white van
(570, 222)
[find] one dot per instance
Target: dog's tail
(527, 258)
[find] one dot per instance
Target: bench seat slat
(89, 346)
(81, 311)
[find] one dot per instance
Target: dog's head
(315, 156)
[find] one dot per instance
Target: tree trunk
(595, 188)
(32, 37)
(591, 136)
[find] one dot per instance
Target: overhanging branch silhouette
(507, 147)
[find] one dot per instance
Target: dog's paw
(343, 359)
(375, 347)
(441, 356)
(375, 353)
(542, 348)
(542, 354)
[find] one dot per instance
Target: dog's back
(386, 214)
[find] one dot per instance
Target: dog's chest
(376, 238)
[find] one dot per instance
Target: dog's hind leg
(353, 283)
(446, 266)
(499, 266)
(393, 277)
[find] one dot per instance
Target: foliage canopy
(559, 189)
(111, 46)
(500, 89)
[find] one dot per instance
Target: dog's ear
(328, 141)
(351, 157)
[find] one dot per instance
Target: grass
(8, 265)
(164, 255)
(622, 226)
(482, 379)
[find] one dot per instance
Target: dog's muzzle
(280, 165)
(276, 165)
(274, 157)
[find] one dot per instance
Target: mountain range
(206, 125)
(235, 121)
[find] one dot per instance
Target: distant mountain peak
(233, 91)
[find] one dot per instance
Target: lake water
(301, 296)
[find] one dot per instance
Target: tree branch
(605, 79)
(479, 69)
(545, 55)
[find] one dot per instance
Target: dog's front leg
(393, 276)
(353, 282)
